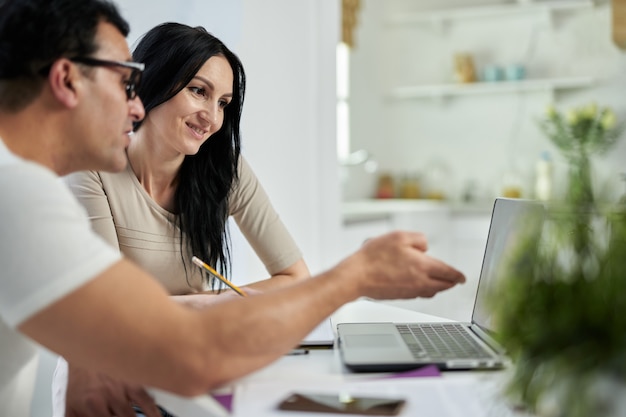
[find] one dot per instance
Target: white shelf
(439, 17)
(499, 87)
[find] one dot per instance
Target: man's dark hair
(35, 33)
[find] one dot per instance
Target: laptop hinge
(488, 339)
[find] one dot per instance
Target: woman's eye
(224, 103)
(198, 91)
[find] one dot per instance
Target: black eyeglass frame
(135, 76)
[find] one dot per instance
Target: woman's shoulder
(245, 171)
(99, 179)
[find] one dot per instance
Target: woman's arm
(259, 222)
(287, 276)
(204, 299)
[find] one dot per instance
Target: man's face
(105, 114)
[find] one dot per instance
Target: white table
(256, 394)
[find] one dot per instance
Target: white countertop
(381, 208)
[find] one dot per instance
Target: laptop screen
(508, 216)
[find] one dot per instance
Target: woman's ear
(64, 77)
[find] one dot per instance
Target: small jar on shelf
(512, 185)
(386, 186)
(410, 187)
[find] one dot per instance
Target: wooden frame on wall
(618, 11)
(349, 20)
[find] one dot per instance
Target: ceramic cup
(514, 72)
(492, 73)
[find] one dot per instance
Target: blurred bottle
(410, 186)
(385, 188)
(437, 180)
(470, 191)
(512, 184)
(543, 179)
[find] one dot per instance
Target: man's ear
(64, 77)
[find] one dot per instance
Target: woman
(185, 174)
(185, 177)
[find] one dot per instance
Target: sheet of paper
(322, 335)
(201, 406)
(461, 396)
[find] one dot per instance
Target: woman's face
(189, 118)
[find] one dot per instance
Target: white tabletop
(322, 369)
(364, 310)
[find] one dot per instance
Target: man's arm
(104, 326)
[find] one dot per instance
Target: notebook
(388, 347)
(320, 337)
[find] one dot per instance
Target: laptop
(389, 347)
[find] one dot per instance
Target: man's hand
(90, 394)
(396, 266)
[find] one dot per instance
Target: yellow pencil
(213, 272)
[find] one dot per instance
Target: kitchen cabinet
(456, 234)
(355, 232)
(368, 218)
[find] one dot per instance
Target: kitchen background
(412, 120)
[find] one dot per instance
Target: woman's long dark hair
(173, 54)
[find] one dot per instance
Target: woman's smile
(198, 132)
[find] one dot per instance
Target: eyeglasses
(135, 76)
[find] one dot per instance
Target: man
(67, 103)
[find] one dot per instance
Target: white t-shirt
(47, 250)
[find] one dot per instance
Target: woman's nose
(136, 109)
(212, 112)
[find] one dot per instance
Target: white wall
(288, 51)
(478, 138)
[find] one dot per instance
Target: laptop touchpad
(369, 341)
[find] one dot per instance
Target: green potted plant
(560, 307)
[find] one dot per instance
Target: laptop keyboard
(441, 341)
